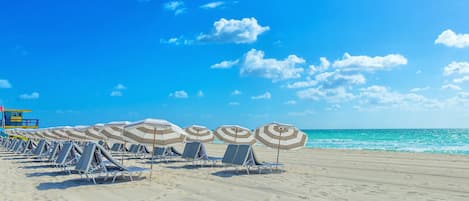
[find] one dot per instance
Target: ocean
(450, 141)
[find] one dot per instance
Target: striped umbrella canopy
(60, 133)
(27, 133)
(77, 132)
(39, 134)
(199, 134)
(154, 131)
(93, 132)
(113, 131)
(281, 136)
(48, 134)
(234, 134)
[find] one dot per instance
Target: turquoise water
(453, 141)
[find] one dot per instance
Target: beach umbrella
(77, 132)
(281, 136)
(234, 134)
(94, 132)
(48, 134)
(199, 134)
(154, 132)
(60, 133)
(39, 134)
(113, 131)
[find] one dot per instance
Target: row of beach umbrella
(158, 132)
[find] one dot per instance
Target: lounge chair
(104, 145)
(19, 146)
(196, 151)
(138, 150)
(41, 149)
(54, 151)
(118, 148)
(68, 156)
(13, 144)
(93, 165)
(243, 156)
(165, 153)
(28, 147)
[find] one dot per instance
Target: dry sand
(310, 174)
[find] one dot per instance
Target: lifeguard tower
(13, 118)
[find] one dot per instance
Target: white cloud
(368, 63)
(179, 94)
(34, 95)
(236, 92)
(451, 86)
(234, 103)
(212, 5)
(245, 30)
(120, 87)
(456, 68)
(116, 93)
(321, 68)
(418, 89)
(380, 97)
(338, 94)
(290, 102)
(5, 84)
(451, 39)
(255, 63)
(336, 79)
(418, 72)
(200, 93)
(461, 79)
(302, 84)
(176, 6)
(224, 64)
(176, 41)
(334, 107)
(265, 95)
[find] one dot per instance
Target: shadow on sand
(16, 158)
(38, 166)
(50, 174)
(243, 172)
(32, 161)
(82, 182)
(194, 167)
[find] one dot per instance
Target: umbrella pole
(278, 150)
(152, 153)
(122, 155)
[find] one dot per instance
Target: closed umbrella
(234, 134)
(281, 136)
(199, 134)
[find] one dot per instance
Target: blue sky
(315, 64)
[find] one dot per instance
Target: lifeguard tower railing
(24, 123)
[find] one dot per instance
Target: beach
(309, 174)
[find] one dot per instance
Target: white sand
(311, 174)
